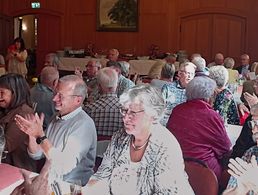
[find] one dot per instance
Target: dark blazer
(239, 68)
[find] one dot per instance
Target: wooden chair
(201, 178)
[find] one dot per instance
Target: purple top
(200, 132)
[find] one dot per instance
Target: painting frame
(109, 20)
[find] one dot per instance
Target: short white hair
(229, 62)
(220, 75)
(200, 63)
(150, 97)
(107, 77)
(201, 87)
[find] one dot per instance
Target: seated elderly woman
(143, 157)
(233, 75)
(15, 99)
(198, 128)
(224, 102)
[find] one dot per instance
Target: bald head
(245, 59)
(113, 54)
(219, 59)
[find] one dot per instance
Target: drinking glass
(2, 142)
(76, 188)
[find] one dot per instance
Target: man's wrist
(40, 139)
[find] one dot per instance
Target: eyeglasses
(62, 96)
(188, 73)
(251, 124)
(125, 111)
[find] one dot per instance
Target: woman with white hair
(198, 128)
(143, 157)
(224, 102)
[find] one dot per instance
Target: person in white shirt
(70, 140)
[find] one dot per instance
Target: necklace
(136, 148)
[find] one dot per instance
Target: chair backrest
(201, 178)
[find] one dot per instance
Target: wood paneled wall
(228, 26)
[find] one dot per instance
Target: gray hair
(107, 78)
(168, 71)
(149, 96)
(199, 62)
(220, 75)
(229, 63)
(187, 63)
(49, 74)
(79, 87)
(54, 59)
(201, 87)
(125, 66)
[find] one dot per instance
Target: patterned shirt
(160, 171)
(123, 84)
(105, 114)
(173, 95)
(246, 157)
(93, 89)
(225, 105)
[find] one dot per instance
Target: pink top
(200, 132)
(8, 175)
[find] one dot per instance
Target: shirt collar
(69, 115)
(109, 95)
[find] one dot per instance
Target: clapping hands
(245, 173)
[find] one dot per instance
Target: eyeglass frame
(251, 124)
(125, 112)
(62, 96)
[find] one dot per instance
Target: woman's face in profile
(5, 97)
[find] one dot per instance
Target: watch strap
(39, 140)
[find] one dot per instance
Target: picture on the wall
(117, 15)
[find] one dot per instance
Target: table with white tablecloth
(233, 132)
(140, 67)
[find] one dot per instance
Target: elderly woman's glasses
(251, 124)
(125, 111)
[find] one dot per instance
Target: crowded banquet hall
(128, 97)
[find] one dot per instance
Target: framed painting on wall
(117, 15)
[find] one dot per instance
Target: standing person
(16, 57)
(15, 99)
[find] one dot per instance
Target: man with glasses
(174, 93)
(70, 140)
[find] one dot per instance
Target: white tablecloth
(233, 132)
(69, 64)
(140, 67)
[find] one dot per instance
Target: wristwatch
(39, 140)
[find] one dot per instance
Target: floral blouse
(225, 105)
(160, 171)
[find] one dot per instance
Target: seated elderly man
(174, 93)
(235, 183)
(90, 79)
(218, 60)
(42, 93)
(105, 112)
(70, 140)
(224, 102)
(123, 83)
(201, 69)
(198, 128)
(167, 74)
(51, 59)
(113, 55)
